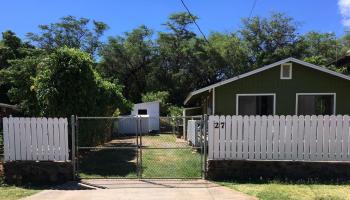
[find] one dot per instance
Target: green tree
(128, 59)
(233, 50)
(178, 65)
(270, 39)
(346, 39)
(20, 76)
(70, 32)
(11, 48)
(321, 48)
(187, 62)
(161, 96)
(62, 83)
(66, 84)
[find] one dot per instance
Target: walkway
(140, 189)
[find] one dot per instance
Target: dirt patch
(163, 140)
(156, 140)
(122, 142)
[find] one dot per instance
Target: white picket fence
(302, 138)
(38, 139)
(133, 125)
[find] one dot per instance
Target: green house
(287, 87)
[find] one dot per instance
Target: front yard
(285, 191)
(163, 156)
(13, 192)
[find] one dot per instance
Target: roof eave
(290, 59)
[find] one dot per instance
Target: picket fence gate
(35, 139)
(299, 138)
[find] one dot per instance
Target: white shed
(150, 110)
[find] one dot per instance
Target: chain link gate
(139, 147)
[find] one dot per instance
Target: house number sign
(218, 124)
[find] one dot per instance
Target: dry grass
(13, 192)
(284, 191)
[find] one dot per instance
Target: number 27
(217, 124)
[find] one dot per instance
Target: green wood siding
(304, 80)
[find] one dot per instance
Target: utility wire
(252, 9)
(194, 20)
(200, 30)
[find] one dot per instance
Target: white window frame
(257, 94)
(290, 71)
(319, 94)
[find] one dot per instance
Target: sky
(22, 16)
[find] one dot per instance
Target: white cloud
(344, 7)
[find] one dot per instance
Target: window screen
(286, 71)
(315, 104)
(142, 112)
(256, 105)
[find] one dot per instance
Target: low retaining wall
(243, 170)
(43, 173)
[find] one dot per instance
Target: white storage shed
(149, 110)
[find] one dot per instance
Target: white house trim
(13, 107)
(323, 69)
(290, 71)
(257, 94)
(334, 100)
(213, 109)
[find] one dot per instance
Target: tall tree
(128, 59)
(66, 83)
(11, 48)
(270, 39)
(20, 77)
(346, 39)
(70, 32)
(233, 50)
(178, 50)
(62, 83)
(321, 48)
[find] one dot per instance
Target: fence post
(205, 128)
(139, 119)
(200, 142)
(73, 145)
(138, 148)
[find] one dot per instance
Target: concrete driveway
(140, 189)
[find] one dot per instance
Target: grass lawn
(171, 163)
(13, 192)
(111, 163)
(156, 163)
(284, 191)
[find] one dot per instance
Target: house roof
(306, 64)
(4, 105)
